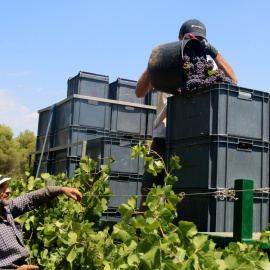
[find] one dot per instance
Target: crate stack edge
(221, 133)
(110, 118)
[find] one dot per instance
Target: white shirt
(159, 128)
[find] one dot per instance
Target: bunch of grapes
(198, 72)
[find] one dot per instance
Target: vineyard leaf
(126, 212)
(170, 179)
(188, 229)
(71, 253)
(31, 183)
(123, 232)
(159, 165)
(264, 265)
(199, 241)
(151, 259)
(72, 238)
(174, 163)
(106, 169)
(237, 262)
(132, 201)
(45, 176)
(133, 259)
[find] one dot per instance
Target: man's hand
(72, 193)
(209, 49)
(28, 267)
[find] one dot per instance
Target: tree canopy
(14, 151)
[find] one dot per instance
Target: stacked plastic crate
(220, 133)
(129, 124)
(110, 118)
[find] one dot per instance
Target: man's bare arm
(223, 64)
(143, 85)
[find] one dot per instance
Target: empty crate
(129, 119)
(83, 112)
(88, 84)
(123, 186)
(46, 117)
(41, 139)
(219, 109)
(74, 134)
(216, 161)
(124, 90)
(66, 165)
(120, 149)
(212, 214)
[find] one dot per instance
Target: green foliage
(70, 235)
(14, 151)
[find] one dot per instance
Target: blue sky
(43, 43)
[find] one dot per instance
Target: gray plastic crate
(216, 161)
(81, 111)
(123, 186)
(40, 141)
(43, 121)
(112, 214)
(151, 97)
(74, 134)
(129, 119)
(66, 165)
(120, 149)
(124, 90)
(214, 215)
(219, 109)
(45, 163)
(88, 84)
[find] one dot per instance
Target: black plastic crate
(219, 109)
(120, 149)
(217, 161)
(123, 186)
(212, 214)
(82, 111)
(151, 97)
(124, 90)
(129, 119)
(88, 84)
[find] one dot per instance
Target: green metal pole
(243, 211)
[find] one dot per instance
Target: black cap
(194, 27)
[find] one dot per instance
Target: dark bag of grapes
(166, 61)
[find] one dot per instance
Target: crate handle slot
(123, 178)
(244, 95)
(89, 131)
(244, 146)
(128, 108)
(128, 136)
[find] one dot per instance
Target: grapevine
(70, 235)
